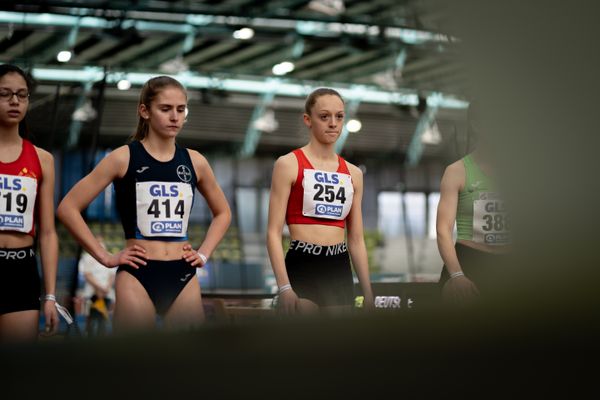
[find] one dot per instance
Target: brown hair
(312, 98)
(149, 92)
(30, 82)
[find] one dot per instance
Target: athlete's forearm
(360, 261)
(49, 256)
(215, 233)
(275, 250)
(448, 252)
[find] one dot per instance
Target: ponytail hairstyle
(149, 92)
(315, 94)
(29, 81)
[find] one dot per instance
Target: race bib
(163, 208)
(490, 220)
(327, 194)
(17, 202)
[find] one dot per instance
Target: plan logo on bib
(174, 227)
(328, 210)
(11, 221)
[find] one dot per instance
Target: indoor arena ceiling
(393, 45)
(379, 51)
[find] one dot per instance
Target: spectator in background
(98, 292)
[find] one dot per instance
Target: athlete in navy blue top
(154, 180)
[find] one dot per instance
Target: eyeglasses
(7, 94)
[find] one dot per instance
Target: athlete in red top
(294, 214)
(318, 194)
(26, 199)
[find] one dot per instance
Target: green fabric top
(476, 181)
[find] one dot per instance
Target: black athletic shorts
(163, 280)
(20, 284)
(485, 270)
(321, 274)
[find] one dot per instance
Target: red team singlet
(19, 183)
(320, 197)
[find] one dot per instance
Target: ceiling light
(85, 112)
(283, 68)
(243, 34)
(353, 125)
(432, 135)
(64, 56)
(267, 122)
(123, 84)
(329, 7)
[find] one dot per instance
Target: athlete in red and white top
(318, 194)
(26, 200)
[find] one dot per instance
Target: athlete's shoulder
(196, 157)
(353, 168)
(116, 162)
(121, 153)
(454, 175)
(456, 168)
(285, 168)
(286, 160)
(44, 155)
(356, 173)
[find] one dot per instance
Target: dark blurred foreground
(424, 354)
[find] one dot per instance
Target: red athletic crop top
(14, 204)
(293, 213)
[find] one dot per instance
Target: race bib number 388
(17, 201)
(327, 194)
(163, 208)
(490, 220)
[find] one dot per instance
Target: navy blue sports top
(154, 198)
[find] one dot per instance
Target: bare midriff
(15, 240)
(159, 250)
(324, 235)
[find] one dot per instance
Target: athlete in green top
(469, 197)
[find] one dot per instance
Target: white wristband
(456, 274)
(202, 257)
(284, 288)
(50, 297)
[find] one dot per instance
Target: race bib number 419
(327, 194)
(17, 201)
(163, 208)
(490, 220)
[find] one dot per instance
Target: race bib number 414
(17, 201)
(327, 194)
(490, 220)
(163, 208)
